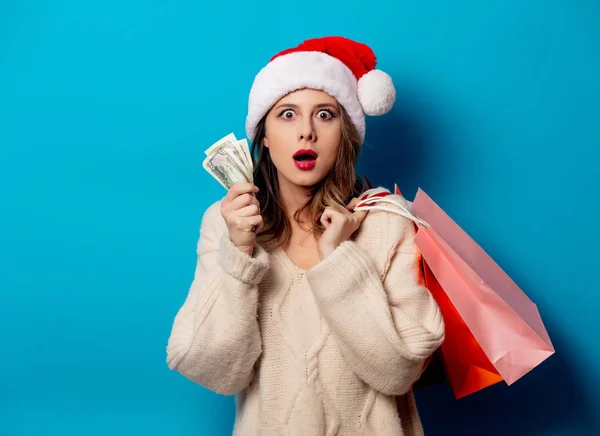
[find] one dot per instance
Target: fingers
(241, 210)
(325, 219)
(249, 210)
(239, 189)
(328, 216)
(246, 224)
(243, 201)
(352, 204)
(253, 223)
(359, 214)
(331, 215)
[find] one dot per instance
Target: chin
(306, 180)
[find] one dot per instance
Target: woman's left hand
(339, 226)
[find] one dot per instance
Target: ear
(266, 142)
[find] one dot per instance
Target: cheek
(331, 140)
(281, 138)
(329, 157)
(276, 144)
(276, 132)
(278, 148)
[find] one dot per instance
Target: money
(228, 161)
(244, 145)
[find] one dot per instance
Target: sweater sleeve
(386, 329)
(215, 339)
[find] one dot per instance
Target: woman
(311, 314)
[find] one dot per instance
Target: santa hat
(343, 68)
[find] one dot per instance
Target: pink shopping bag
(503, 320)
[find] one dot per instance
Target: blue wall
(106, 108)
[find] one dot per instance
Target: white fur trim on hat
(300, 70)
(376, 92)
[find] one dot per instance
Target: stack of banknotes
(228, 160)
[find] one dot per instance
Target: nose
(307, 131)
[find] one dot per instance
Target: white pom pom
(376, 92)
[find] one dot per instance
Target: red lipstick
(305, 159)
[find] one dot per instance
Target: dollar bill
(233, 147)
(222, 166)
(228, 161)
(246, 150)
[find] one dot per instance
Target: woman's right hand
(241, 211)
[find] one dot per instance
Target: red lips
(307, 153)
(305, 159)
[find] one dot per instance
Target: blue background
(106, 108)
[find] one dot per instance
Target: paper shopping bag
(467, 368)
(502, 319)
(486, 312)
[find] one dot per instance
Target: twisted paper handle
(377, 199)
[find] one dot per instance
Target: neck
(293, 198)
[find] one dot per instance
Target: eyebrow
(318, 106)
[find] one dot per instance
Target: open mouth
(305, 159)
(305, 155)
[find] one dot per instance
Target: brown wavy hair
(336, 189)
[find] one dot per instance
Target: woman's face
(303, 134)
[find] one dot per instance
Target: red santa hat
(341, 67)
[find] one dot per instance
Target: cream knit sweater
(333, 350)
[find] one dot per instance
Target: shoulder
(392, 218)
(383, 233)
(387, 227)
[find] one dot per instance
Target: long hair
(336, 189)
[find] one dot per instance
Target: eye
(325, 115)
(287, 114)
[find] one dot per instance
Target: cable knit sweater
(333, 350)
